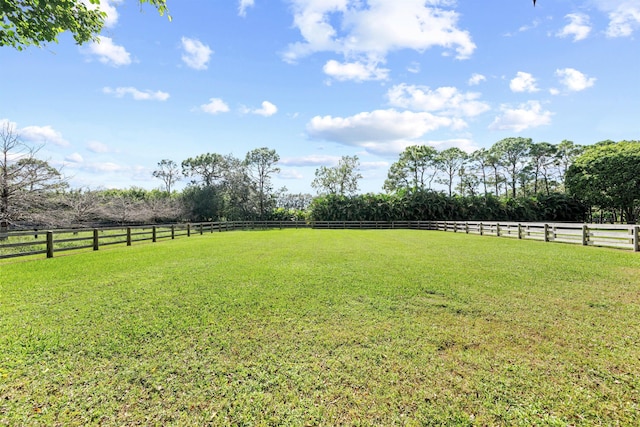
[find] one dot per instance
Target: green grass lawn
(323, 327)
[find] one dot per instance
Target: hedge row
(431, 205)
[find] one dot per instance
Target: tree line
(512, 167)
(515, 179)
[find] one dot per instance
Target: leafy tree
(607, 175)
(451, 161)
(542, 157)
(513, 154)
(238, 191)
(34, 22)
(206, 169)
(566, 153)
(479, 165)
(341, 179)
(168, 172)
(203, 203)
(415, 169)
(222, 188)
(497, 178)
(261, 164)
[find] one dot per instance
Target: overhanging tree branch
(26, 23)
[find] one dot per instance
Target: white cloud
(97, 147)
(356, 71)
(357, 29)
(447, 100)
(108, 52)
(574, 80)
(523, 117)
(244, 5)
(196, 54)
(43, 134)
(466, 145)
(215, 106)
(414, 67)
(378, 125)
(579, 27)
(137, 95)
(373, 166)
(390, 148)
(291, 174)
(623, 23)
(74, 158)
(311, 160)
(525, 28)
(106, 167)
(379, 131)
(523, 82)
(97, 168)
(624, 16)
(476, 79)
(268, 109)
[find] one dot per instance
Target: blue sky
(319, 79)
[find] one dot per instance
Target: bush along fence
(24, 243)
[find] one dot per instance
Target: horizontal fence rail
(23, 243)
(603, 235)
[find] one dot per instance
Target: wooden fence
(604, 235)
(24, 243)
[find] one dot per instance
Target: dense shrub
(435, 206)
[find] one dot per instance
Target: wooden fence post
(188, 230)
(201, 229)
(49, 244)
(497, 229)
(519, 231)
(4, 230)
(154, 235)
(585, 235)
(636, 242)
(128, 236)
(173, 231)
(466, 227)
(481, 230)
(546, 232)
(95, 239)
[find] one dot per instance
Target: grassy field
(323, 327)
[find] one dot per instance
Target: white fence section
(604, 235)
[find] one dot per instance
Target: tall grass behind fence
(25, 243)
